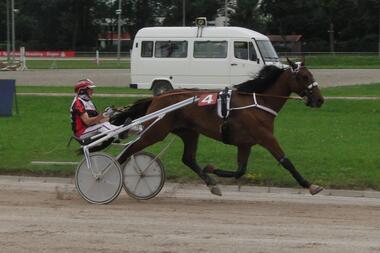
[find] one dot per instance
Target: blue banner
(7, 94)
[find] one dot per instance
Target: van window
(210, 49)
(267, 50)
(147, 49)
(241, 50)
(252, 52)
(170, 49)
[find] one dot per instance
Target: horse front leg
(274, 148)
(242, 159)
(190, 142)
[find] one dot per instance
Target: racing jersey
(78, 107)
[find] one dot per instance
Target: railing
(290, 54)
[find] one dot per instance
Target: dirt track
(34, 217)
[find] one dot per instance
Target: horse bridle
(308, 91)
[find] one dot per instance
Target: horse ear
(291, 64)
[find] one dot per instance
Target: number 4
(209, 99)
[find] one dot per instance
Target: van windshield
(267, 50)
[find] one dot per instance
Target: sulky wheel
(101, 183)
(144, 176)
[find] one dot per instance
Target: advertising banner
(7, 94)
(55, 54)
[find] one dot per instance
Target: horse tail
(134, 111)
(139, 108)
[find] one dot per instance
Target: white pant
(97, 129)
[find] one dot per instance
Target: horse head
(304, 84)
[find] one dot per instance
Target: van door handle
(233, 64)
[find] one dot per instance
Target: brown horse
(250, 121)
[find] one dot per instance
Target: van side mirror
(258, 60)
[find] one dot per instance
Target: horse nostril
(320, 102)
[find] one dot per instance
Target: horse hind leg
(190, 141)
(242, 159)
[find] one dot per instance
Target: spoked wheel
(144, 176)
(101, 183)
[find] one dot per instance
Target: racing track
(51, 217)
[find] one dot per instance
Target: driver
(85, 119)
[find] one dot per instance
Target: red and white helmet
(83, 84)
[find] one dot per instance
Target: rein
(238, 92)
(186, 92)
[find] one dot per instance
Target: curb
(51, 184)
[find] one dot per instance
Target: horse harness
(224, 108)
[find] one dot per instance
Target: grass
(343, 61)
(77, 64)
(336, 146)
(368, 90)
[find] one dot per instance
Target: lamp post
(183, 12)
(8, 32)
(225, 13)
(379, 31)
(331, 38)
(13, 30)
(118, 12)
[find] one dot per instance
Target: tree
(289, 16)
(75, 24)
(139, 14)
(172, 11)
(247, 14)
(3, 24)
(56, 24)
(351, 25)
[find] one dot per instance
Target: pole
(8, 32)
(331, 33)
(379, 29)
(13, 30)
(119, 33)
(225, 13)
(97, 57)
(183, 12)
(23, 59)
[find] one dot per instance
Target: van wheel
(160, 87)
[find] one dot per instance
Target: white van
(197, 57)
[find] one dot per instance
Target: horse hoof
(209, 169)
(315, 189)
(214, 189)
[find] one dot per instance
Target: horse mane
(265, 79)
